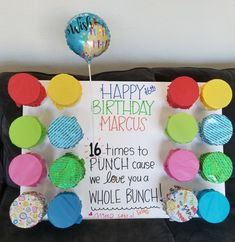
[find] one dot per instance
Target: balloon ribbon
(91, 96)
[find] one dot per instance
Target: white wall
(144, 33)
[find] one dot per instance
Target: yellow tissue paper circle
(216, 94)
(64, 90)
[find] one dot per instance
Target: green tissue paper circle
(216, 167)
(67, 171)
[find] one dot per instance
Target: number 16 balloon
(87, 35)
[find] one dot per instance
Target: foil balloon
(87, 35)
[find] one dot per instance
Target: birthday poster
(124, 148)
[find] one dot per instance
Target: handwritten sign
(124, 148)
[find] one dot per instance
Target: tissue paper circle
(64, 90)
(216, 167)
(27, 169)
(28, 209)
(87, 35)
(181, 165)
(181, 128)
(216, 94)
(65, 210)
(213, 206)
(183, 92)
(67, 171)
(65, 132)
(180, 205)
(26, 89)
(27, 132)
(216, 129)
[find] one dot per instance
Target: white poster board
(127, 179)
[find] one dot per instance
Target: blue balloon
(87, 35)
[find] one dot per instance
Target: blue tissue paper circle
(213, 206)
(65, 132)
(216, 129)
(65, 210)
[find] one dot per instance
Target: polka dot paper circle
(65, 132)
(28, 209)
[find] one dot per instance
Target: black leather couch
(155, 230)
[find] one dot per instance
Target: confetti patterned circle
(181, 205)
